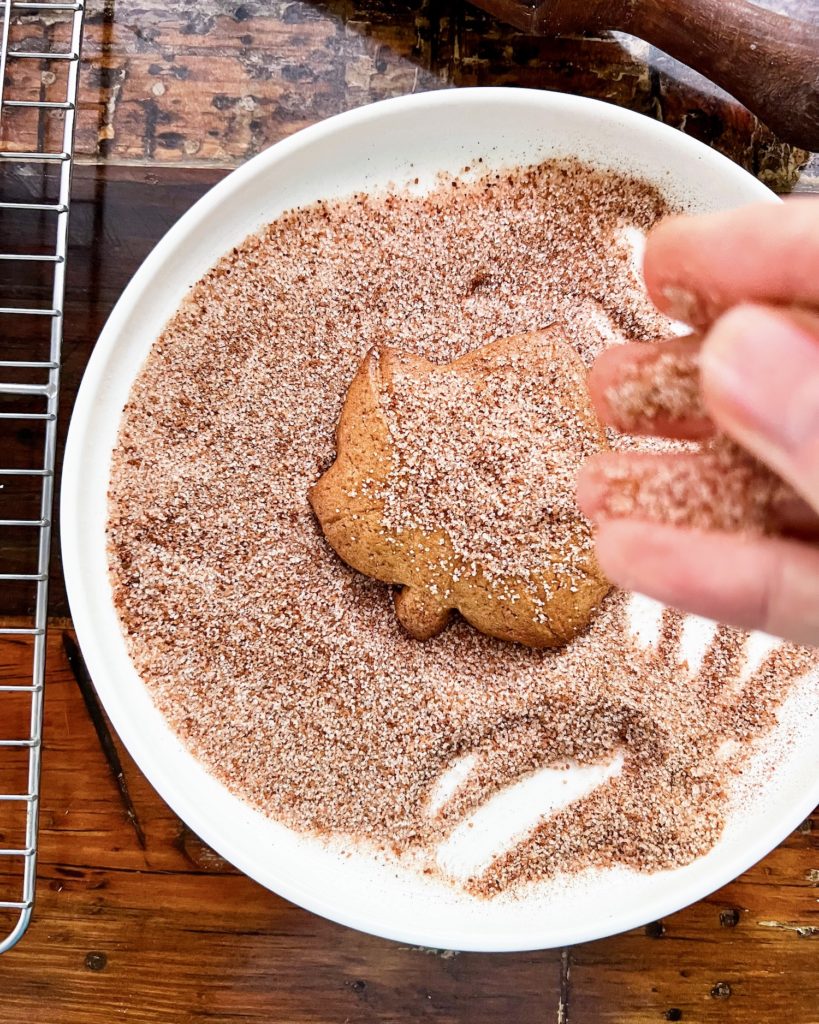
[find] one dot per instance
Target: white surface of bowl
(369, 149)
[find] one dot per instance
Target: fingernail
(760, 377)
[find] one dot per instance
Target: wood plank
(118, 214)
(171, 934)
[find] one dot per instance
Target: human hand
(747, 281)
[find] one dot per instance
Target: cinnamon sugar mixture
(285, 671)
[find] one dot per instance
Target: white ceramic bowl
(366, 149)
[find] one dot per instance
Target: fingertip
(618, 550)
(722, 349)
(681, 567)
(760, 383)
(609, 370)
(651, 389)
(730, 336)
(590, 485)
(763, 583)
(665, 270)
(602, 373)
(677, 566)
(735, 323)
(697, 267)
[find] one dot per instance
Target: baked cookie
(456, 483)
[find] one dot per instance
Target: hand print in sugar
(666, 738)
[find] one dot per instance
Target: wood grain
(171, 934)
(766, 60)
(118, 215)
(166, 81)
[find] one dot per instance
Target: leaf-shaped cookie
(456, 482)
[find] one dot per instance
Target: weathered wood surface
(169, 933)
(169, 81)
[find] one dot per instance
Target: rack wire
(33, 384)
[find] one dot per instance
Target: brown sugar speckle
(493, 463)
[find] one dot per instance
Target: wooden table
(137, 920)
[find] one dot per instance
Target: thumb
(760, 382)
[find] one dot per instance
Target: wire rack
(29, 395)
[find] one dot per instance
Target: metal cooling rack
(37, 380)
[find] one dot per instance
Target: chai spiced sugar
(285, 671)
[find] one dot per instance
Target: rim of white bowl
(77, 584)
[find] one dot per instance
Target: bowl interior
(369, 149)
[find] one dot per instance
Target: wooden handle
(770, 62)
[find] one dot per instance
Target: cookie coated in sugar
(455, 482)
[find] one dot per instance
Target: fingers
(651, 389)
(760, 380)
(758, 370)
(768, 584)
(720, 488)
(755, 378)
(698, 267)
(679, 489)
